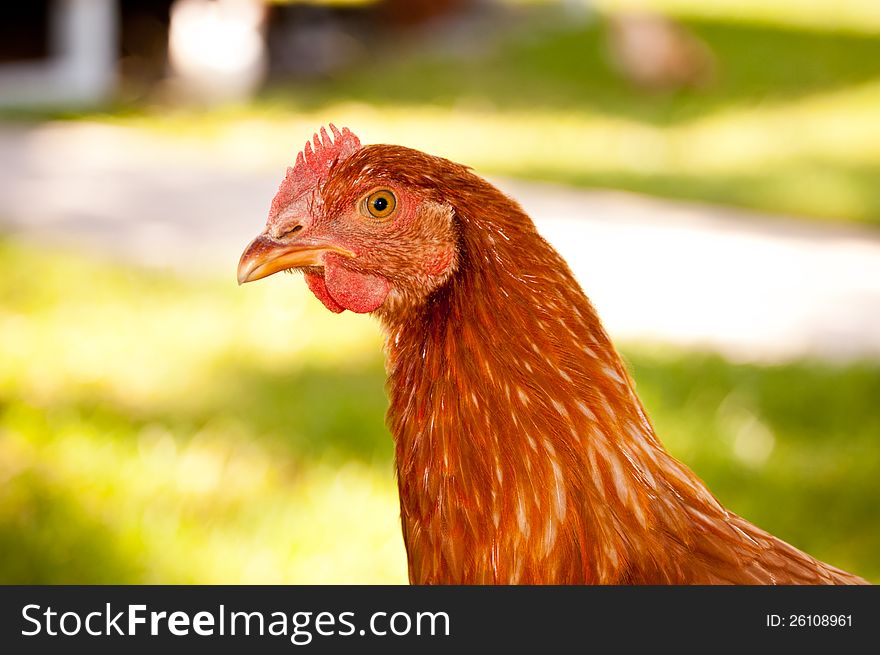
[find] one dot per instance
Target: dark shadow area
(52, 539)
(314, 412)
(311, 414)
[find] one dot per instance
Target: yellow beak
(265, 256)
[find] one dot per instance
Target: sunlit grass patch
(98, 329)
(158, 430)
(153, 507)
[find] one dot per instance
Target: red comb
(312, 165)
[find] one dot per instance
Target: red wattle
(316, 284)
(358, 292)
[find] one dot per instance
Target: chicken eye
(380, 204)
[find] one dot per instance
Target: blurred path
(751, 286)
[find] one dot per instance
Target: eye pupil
(379, 204)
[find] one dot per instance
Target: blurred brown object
(655, 52)
(143, 43)
(406, 13)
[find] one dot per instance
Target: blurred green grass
(791, 123)
(155, 429)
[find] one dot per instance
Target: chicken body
(523, 453)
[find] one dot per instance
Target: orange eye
(380, 204)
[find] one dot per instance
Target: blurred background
(711, 171)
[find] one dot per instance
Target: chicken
(523, 453)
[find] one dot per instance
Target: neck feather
(516, 425)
